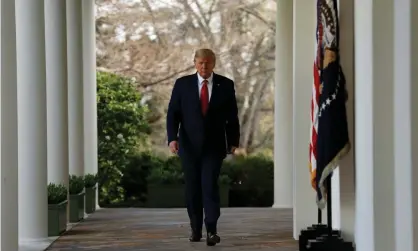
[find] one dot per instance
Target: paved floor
(133, 229)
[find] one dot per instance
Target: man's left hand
(233, 148)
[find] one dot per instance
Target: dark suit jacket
(217, 131)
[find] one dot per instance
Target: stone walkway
(134, 229)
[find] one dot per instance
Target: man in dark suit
(202, 127)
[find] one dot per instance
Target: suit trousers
(202, 190)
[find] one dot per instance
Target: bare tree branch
(270, 25)
(154, 42)
(167, 77)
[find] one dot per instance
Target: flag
(329, 141)
(315, 99)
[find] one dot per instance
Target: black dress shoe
(212, 239)
(195, 237)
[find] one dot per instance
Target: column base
(329, 243)
(312, 233)
(36, 244)
(282, 206)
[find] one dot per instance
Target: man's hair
(204, 53)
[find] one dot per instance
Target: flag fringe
(327, 171)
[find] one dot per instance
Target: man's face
(204, 66)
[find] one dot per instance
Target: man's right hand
(174, 147)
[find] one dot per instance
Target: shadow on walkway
(134, 229)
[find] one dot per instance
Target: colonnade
(49, 117)
(48, 108)
(375, 198)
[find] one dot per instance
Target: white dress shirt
(210, 84)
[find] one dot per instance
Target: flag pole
(319, 216)
(329, 206)
(329, 134)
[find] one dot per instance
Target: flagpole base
(329, 243)
(313, 232)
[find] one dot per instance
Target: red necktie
(204, 97)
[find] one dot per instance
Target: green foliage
(224, 179)
(90, 180)
(134, 179)
(76, 184)
(56, 193)
(252, 180)
(122, 126)
(250, 171)
(169, 172)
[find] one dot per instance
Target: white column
(406, 124)
(56, 79)
(346, 196)
(374, 160)
(31, 79)
(75, 87)
(9, 151)
(336, 203)
(89, 77)
(283, 127)
(304, 197)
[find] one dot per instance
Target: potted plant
(57, 209)
(90, 181)
(76, 191)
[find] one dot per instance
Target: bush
(168, 172)
(76, 184)
(56, 193)
(122, 126)
(252, 181)
(251, 171)
(134, 179)
(224, 179)
(90, 180)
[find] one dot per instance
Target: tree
(122, 126)
(154, 41)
